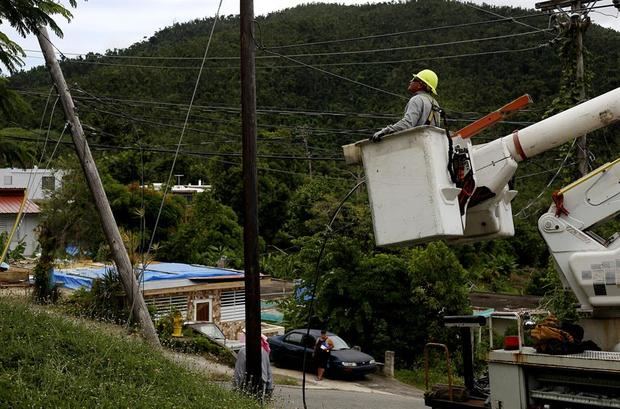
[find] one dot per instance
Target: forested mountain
(327, 75)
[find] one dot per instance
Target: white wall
(31, 179)
(26, 231)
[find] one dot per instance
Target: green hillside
(49, 361)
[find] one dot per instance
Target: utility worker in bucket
(422, 108)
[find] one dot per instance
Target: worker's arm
(413, 113)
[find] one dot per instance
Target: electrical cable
(236, 67)
(102, 147)
(468, 4)
(49, 161)
(542, 172)
(443, 57)
(549, 183)
(337, 64)
(337, 75)
(423, 30)
(49, 126)
(224, 108)
(217, 14)
(412, 47)
(326, 42)
(326, 234)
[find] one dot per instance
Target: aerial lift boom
(414, 198)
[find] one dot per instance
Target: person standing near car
(322, 350)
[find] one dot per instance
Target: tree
(209, 233)
(26, 17)
(11, 104)
(14, 154)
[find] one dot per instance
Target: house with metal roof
(11, 200)
(199, 293)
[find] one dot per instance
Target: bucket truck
(415, 197)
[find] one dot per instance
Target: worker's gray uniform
(419, 111)
(240, 370)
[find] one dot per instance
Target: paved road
(372, 391)
(286, 397)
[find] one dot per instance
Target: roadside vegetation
(49, 361)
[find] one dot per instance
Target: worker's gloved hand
(379, 135)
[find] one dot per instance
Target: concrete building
(10, 203)
(39, 182)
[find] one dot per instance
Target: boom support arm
(589, 265)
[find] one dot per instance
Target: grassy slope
(52, 362)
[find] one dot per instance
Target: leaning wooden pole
(110, 229)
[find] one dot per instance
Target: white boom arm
(589, 265)
(496, 162)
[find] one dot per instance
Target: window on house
(232, 306)
(164, 305)
(8, 180)
(48, 183)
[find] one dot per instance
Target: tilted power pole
(110, 229)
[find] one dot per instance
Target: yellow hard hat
(429, 78)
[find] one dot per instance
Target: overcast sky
(99, 25)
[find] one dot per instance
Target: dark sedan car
(288, 350)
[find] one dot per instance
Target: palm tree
(26, 17)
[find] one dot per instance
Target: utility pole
(110, 229)
(578, 22)
(250, 198)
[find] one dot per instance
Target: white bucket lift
(411, 194)
(413, 198)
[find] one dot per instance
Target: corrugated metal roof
(156, 275)
(10, 203)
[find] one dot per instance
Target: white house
(39, 182)
(10, 202)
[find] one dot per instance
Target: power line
(334, 64)
(468, 4)
(223, 108)
(107, 100)
(549, 183)
(414, 47)
(338, 76)
(423, 30)
(335, 41)
(446, 57)
(184, 152)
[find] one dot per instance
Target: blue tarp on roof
(81, 277)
